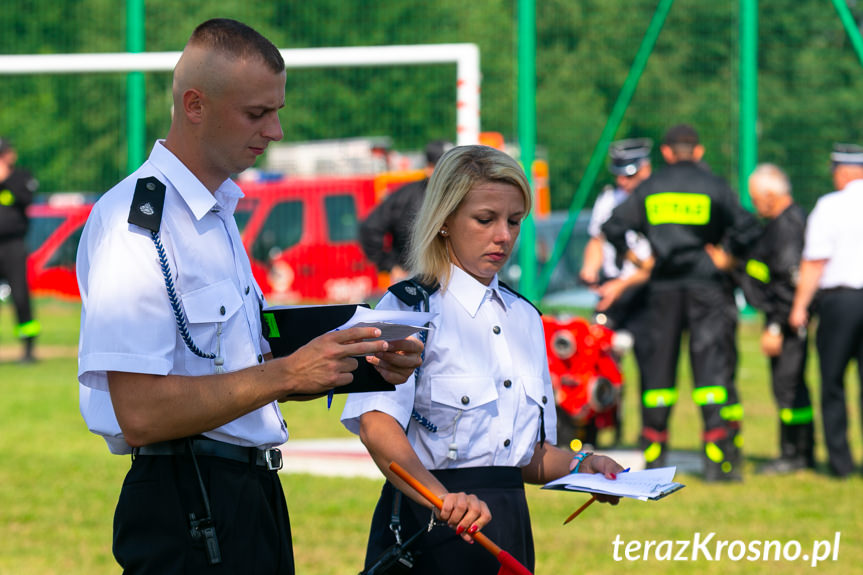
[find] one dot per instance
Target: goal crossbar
(465, 56)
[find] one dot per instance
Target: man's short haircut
(682, 140)
(459, 171)
(237, 40)
(771, 179)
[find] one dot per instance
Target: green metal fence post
(527, 137)
(614, 120)
(135, 88)
(850, 27)
(748, 123)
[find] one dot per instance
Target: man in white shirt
(832, 269)
(171, 358)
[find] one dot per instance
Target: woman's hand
(465, 513)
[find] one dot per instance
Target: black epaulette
(412, 291)
(147, 204)
(515, 293)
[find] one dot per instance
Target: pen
(586, 504)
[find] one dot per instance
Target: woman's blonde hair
(456, 174)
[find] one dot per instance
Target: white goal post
(464, 56)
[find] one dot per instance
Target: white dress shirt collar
(189, 187)
(470, 293)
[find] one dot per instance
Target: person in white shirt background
(477, 420)
(831, 276)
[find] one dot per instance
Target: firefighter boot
(796, 450)
(654, 445)
(28, 356)
(723, 457)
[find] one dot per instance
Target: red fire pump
(583, 361)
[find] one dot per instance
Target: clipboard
(647, 485)
(288, 328)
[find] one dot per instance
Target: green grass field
(59, 484)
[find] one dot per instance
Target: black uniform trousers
(788, 373)
(441, 550)
(839, 339)
(709, 314)
(629, 312)
(13, 268)
(151, 523)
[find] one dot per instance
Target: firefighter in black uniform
(681, 209)
(16, 193)
(768, 278)
(384, 234)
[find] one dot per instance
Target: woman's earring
(443, 232)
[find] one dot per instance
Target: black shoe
(784, 466)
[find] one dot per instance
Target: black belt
(269, 458)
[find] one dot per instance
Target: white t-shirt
(127, 321)
(482, 387)
(834, 232)
(609, 199)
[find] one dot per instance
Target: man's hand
(721, 259)
(771, 343)
(328, 361)
(399, 361)
(609, 292)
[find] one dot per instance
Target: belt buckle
(273, 458)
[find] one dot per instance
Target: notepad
(650, 484)
(287, 328)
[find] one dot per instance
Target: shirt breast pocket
(463, 407)
(206, 308)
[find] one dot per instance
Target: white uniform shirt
(127, 322)
(609, 199)
(834, 233)
(482, 383)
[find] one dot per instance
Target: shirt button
(222, 310)
(465, 400)
(544, 399)
(247, 290)
(260, 358)
(507, 383)
(496, 329)
(506, 443)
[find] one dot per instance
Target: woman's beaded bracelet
(580, 456)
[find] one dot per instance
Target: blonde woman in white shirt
(477, 419)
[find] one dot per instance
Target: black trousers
(441, 550)
(13, 268)
(151, 523)
(629, 312)
(709, 314)
(839, 339)
(788, 373)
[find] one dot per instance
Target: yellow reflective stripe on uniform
(733, 412)
(758, 270)
(796, 415)
(659, 397)
(678, 208)
(653, 451)
(6, 198)
(710, 395)
(28, 329)
(713, 453)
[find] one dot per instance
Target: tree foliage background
(71, 129)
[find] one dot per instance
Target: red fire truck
(300, 234)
